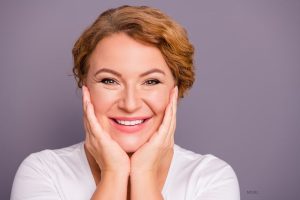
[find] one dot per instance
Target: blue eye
(152, 82)
(108, 81)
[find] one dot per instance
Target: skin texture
(121, 83)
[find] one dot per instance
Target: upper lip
(130, 118)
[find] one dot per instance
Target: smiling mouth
(129, 122)
(129, 125)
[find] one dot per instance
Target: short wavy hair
(144, 24)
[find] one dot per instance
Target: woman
(132, 64)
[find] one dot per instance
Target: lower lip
(129, 129)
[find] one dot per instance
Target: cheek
(101, 100)
(158, 101)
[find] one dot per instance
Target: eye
(108, 81)
(152, 82)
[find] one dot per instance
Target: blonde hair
(144, 24)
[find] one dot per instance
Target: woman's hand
(148, 162)
(147, 157)
(113, 161)
(108, 154)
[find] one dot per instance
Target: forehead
(126, 55)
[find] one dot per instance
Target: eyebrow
(155, 70)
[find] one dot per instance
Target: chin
(130, 146)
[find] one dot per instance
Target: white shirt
(64, 174)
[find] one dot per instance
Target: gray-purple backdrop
(244, 107)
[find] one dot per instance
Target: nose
(130, 100)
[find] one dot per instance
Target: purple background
(244, 107)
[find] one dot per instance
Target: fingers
(85, 122)
(173, 121)
(167, 128)
(85, 97)
(90, 120)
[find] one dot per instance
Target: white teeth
(130, 123)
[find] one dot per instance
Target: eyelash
(151, 82)
(110, 81)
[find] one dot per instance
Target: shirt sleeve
(222, 186)
(32, 182)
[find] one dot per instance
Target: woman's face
(130, 85)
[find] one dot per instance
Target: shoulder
(54, 157)
(49, 173)
(40, 174)
(196, 161)
(47, 162)
(205, 174)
